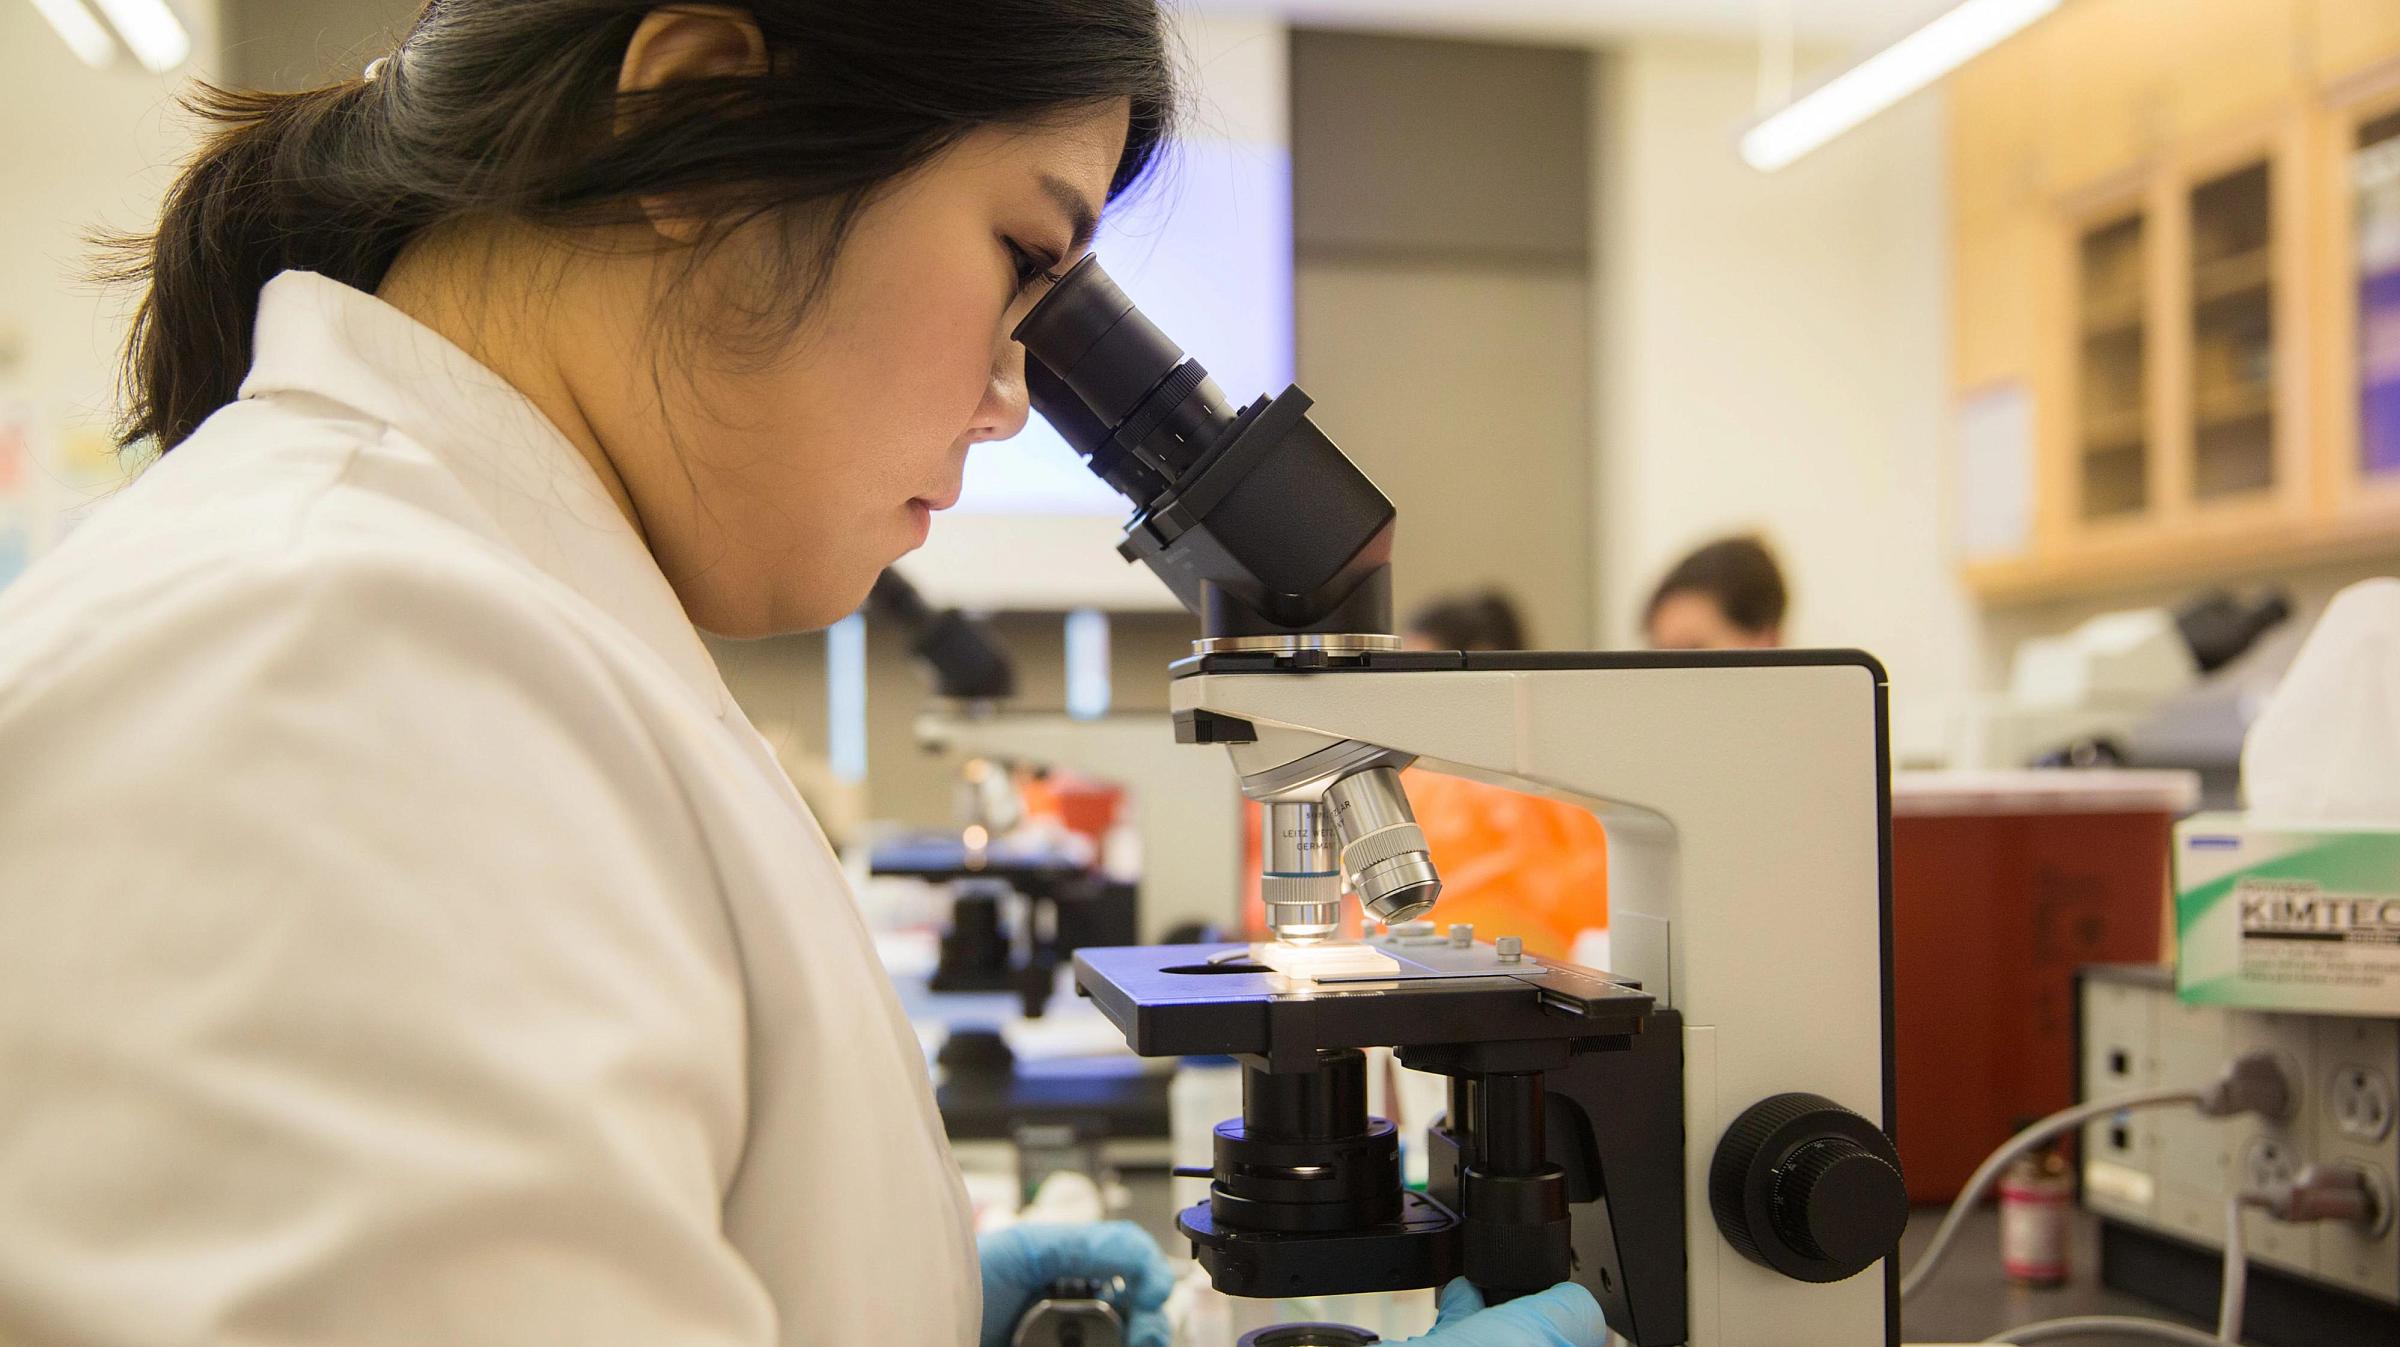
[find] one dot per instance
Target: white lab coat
(404, 940)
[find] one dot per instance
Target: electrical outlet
(2169, 1171)
(2269, 1161)
(2379, 1195)
(2360, 1099)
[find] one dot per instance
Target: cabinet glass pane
(2113, 442)
(2233, 334)
(2375, 184)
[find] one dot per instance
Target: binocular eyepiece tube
(1117, 389)
(1252, 517)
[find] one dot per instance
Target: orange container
(2003, 884)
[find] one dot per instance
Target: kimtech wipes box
(2295, 904)
(2287, 917)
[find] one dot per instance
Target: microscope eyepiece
(1254, 520)
(1118, 389)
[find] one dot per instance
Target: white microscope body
(1747, 802)
(1747, 812)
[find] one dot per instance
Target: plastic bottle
(2036, 1203)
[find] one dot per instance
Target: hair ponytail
(508, 108)
(252, 204)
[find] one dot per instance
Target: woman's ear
(686, 42)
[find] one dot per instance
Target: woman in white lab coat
(404, 939)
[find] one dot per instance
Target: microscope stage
(1186, 1000)
(941, 858)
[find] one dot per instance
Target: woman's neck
(503, 294)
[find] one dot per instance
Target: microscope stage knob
(1834, 1199)
(1808, 1188)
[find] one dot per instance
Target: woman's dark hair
(1479, 621)
(508, 109)
(1739, 573)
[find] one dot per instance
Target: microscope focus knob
(1829, 1203)
(1808, 1188)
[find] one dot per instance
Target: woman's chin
(784, 610)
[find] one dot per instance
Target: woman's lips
(921, 510)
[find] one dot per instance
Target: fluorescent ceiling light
(79, 30)
(151, 31)
(1885, 78)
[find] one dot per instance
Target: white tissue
(2326, 749)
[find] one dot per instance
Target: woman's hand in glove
(1563, 1316)
(1020, 1262)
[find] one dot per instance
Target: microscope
(1700, 1137)
(1189, 821)
(1065, 900)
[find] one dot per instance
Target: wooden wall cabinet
(2104, 72)
(2359, 274)
(2200, 296)
(2350, 36)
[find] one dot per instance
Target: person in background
(1511, 863)
(1484, 620)
(1729, 595)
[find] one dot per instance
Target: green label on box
(2288, 920)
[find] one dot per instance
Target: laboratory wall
(1772, 354)
(300, 44)
(85, 150)
(1442, 237)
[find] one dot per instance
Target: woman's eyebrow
(1079, 212)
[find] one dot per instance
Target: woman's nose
(1005, 406)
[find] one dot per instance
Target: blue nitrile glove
(1563, 1316)
(1020, 1262)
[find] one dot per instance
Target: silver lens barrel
(1302, 882)
(1384, 855)
(1400, 889)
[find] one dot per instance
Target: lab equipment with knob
(2129, 688)
(2321, 1271)
(1700, 1138)
(1019, 906)
(1186, 814)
